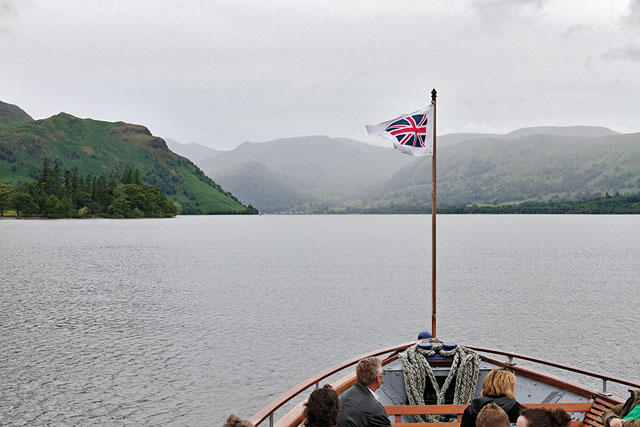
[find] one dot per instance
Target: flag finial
(434, 95)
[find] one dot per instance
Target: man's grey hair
(368, 369)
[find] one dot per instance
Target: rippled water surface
(183, 321)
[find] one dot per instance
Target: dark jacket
(620, 411)
(358, 408)
(508, 405)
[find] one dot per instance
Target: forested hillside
(536, 167)
(98, 147)
(65, 194)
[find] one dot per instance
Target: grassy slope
(10, 113)
(538, 167)
(99, 147)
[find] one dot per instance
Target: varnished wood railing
(512, 355)
(268, 411)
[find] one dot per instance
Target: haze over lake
(183, 321)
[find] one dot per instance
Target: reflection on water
(183, 321)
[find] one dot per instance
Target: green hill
(535, 167)
(10, 113)
(98, 147)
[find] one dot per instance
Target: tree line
(608, 204)
(66, 194)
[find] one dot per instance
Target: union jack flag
(410, 133)
(410, 130)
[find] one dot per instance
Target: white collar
(373, 393)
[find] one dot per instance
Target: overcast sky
(223, 72)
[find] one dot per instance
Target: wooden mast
(434, 95)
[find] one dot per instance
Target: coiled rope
(466, 364)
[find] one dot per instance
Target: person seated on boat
(626, 414)
(236, 421)
(322, 408)
(543, 417)
(492, 416)
(359, 406)
(498, 387)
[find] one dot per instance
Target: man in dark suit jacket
(359, 406)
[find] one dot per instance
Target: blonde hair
(499, 382)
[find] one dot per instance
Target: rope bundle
(416, 369)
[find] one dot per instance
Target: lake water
(184, 321)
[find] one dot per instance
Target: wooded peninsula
(65, 194)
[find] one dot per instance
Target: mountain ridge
(100, 147)
(316, 168)
(192, 151)
(477, 168)
(10, 114)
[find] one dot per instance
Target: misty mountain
(316, 170)
(534, 167)
(271, 190)
(192, 151)
(454, 138)
(582, 131)
(321, 174)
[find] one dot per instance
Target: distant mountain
(269, 190)
(581, 131)
(321, 174)
(534, 167)
(305, 172)
(192, 151)
(10, 114)
(98, 147)
(454, 138)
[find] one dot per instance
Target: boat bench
(592, 410)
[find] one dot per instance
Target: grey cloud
(628, 52)
(495, 12)
(574, 30)
(632, 18)
(8, 11)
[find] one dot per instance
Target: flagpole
(434, 95)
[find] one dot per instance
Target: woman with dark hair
(543, 417)
(323, 408)
(498, 387)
